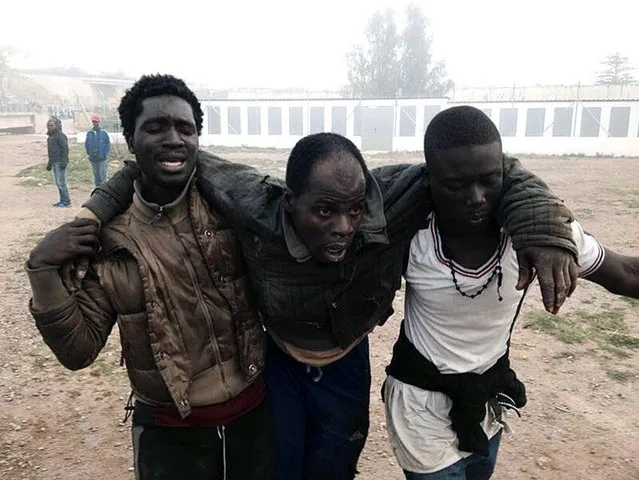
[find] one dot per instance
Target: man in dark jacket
(58, 152)
(97, 146)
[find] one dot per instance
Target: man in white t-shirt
(450, 382)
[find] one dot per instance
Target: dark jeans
(240, 450)
(60, 177)
(473, 467)
(99, 172)
(320, 414)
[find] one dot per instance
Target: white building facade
(572, 127)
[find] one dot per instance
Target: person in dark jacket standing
(98, 146)
(58, 151)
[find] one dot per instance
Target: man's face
(50, 127)
(466, 185)
(165, 141)
(96, 124)
(328, 213)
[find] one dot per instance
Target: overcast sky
(280, 43)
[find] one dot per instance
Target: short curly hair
(153, 86)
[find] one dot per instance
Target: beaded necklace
(497, 272)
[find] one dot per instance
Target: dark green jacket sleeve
(531, 213)
(113, 197)
(237, 190)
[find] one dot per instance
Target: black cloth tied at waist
(469, 392)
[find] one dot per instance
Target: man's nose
(173, 137)
(343, 225)
(476, 195)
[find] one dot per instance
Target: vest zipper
(205, 311)
(157, 216)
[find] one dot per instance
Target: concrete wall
(573, 136)
(21, 123)
(545, 128)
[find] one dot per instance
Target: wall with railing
(545, 128)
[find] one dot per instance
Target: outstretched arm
(619, 274)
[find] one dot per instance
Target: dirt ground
(582, 419)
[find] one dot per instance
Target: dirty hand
(556, 270)
(65, 243)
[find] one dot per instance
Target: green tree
(373, 67)
(617, 70)
(420, 75)
(389, 65)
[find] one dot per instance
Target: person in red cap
(98, 145)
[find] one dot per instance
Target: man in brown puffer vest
(171, 275)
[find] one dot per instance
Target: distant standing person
(98, 145)
(58, 151)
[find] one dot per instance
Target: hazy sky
(279, 43)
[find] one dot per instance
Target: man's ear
(129, 143)
(289, 200)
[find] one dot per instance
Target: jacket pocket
(134, 337)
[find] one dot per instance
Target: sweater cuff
(49, 293)
(114, 197)
(103, 205)
(544, 240)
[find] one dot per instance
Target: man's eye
(454, 186)
(356, 210)
(188, 130)
(324, 212)
(491, 179)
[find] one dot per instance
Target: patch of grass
(558, 327)
(611, 320)
(622, 376)
(606, 328)
(79, 171)
(623, 341)
(616, 351)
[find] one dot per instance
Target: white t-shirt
(458, 334)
